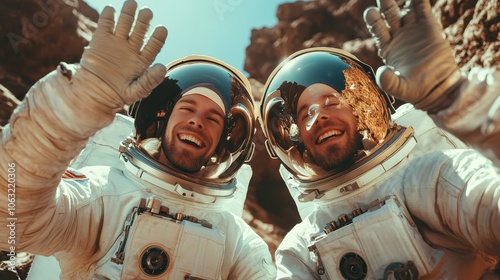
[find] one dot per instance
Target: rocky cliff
(471, 26)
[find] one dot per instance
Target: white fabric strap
(208, 93)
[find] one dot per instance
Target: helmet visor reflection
(350, 84)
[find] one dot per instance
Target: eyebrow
(210, 111)
(303, 107)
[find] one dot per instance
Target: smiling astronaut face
(193, 132)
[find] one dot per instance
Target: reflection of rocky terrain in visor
(366, 102)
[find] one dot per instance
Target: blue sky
(218, 28)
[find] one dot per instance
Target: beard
(182, 159)
(338, 156)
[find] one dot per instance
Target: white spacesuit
(412, 201)
(102, 149)
(148, 219)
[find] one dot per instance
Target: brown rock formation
(471, 26)
(36, 35)
(307, 24)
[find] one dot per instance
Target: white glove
(420, 67)
(115, 57)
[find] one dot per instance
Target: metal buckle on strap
(310, 196)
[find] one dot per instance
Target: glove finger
(422, 9)
(150, 79)
(141, 27)
(377, 27)
(154, 44)
(392, 83)
(106, 22)
(390, 11)
(126, 19)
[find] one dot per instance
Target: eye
(214, 120)
(331, 102)
(187, 109)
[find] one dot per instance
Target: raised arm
(63, 109)
(420, 69)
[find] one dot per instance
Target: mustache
(191, 130)
(337, 124)
(188, 128)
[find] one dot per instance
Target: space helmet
(219, 82)
(353, 85)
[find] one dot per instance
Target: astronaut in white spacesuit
(381, 195)
(164, 214)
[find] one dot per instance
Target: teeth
(190, 138)
(329, 134)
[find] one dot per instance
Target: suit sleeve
(48, 129)
(474, 116)
(458, 204)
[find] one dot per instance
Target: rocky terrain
(35, 35)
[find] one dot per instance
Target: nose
(323, 115)
(196, 121)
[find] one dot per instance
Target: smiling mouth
(329, 135)
(191, 140)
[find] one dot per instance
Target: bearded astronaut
(380, 196)
(163, 213)
(386, 194)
